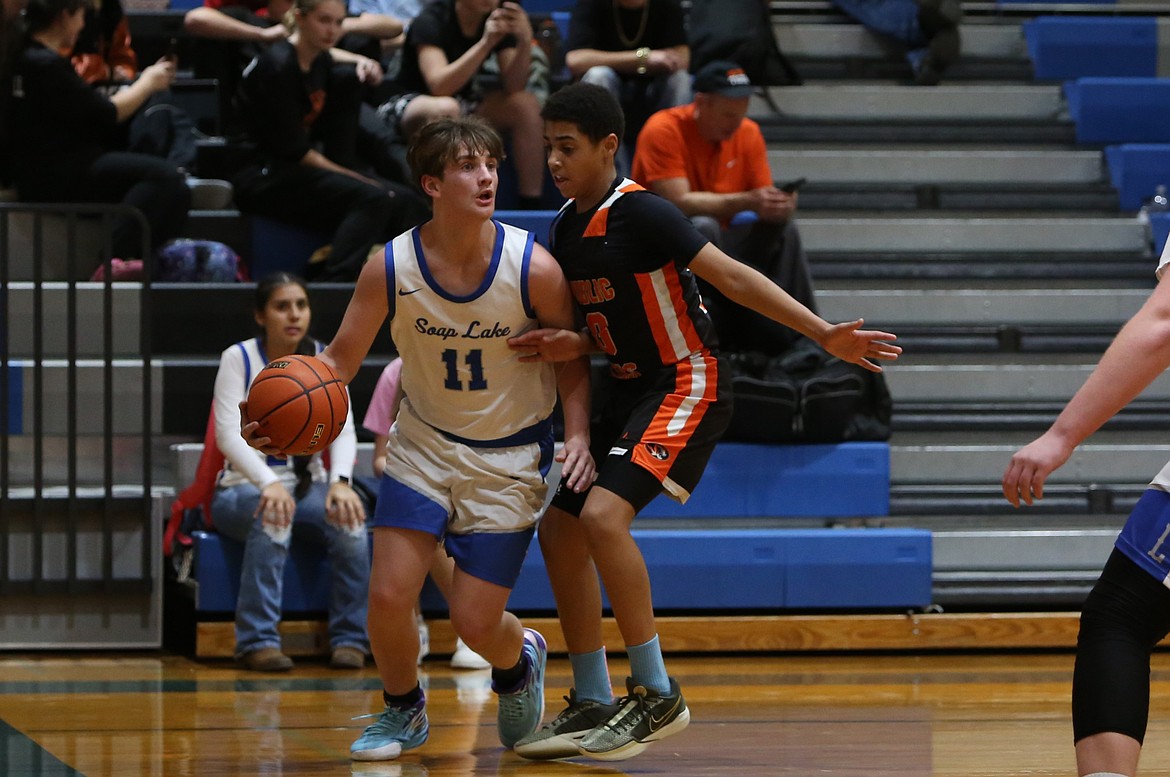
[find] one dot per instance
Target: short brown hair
(442, 141)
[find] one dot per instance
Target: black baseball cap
(723, 77)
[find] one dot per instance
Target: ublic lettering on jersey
(592, 291)
(475, 330)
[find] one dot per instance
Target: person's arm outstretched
(1138, 355)
(750, 288)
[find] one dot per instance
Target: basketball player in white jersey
(467, 455)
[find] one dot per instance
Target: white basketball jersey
(458, 373)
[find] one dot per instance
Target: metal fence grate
(75, 452)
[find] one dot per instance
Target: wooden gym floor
(858, 715)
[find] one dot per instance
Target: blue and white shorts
(482, 502)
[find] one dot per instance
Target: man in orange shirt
(711, 161)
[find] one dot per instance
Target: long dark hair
(267, 286)
(40, 14)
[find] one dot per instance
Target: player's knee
(602, 529)
(474, 626)
(389, 599)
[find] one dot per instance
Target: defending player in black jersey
(630, 258)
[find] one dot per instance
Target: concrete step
(1030, 267)
(1101, 198)
(870, 102)
(851, 40)
(783, 131)
(978, 234)
(938, 165)
(922, 307)
(922, 461)
(996, 377)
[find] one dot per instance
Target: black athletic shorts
(656, 434)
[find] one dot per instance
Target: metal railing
(60, 532)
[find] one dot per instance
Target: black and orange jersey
(626, 263)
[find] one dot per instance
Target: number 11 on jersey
(474, 361)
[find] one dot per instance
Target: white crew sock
(1104, 774)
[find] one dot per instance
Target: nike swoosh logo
(656, 723)
(403, 293)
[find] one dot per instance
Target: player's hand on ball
(849, 342)
(250, 431)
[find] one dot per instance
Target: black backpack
(739, 31)
(806, 395)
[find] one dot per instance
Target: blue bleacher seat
(547, 6)
(766, 569)
(217, 565)
(1120, 110)
(1063, 47)
(1136, 170)
(1159, 231)
(713, 567)
(535, 221)
(707, 569)
(277, 245)
(747, 479)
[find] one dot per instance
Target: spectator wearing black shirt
(228, 34)
(301, 112)
(65, 135)
(637, 50)
(443, 74)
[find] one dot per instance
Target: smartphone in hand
(792, 186)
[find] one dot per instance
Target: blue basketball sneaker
(521, 710)
(396, 729)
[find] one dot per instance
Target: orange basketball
(300, 404)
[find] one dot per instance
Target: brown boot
(266, 660)
(347, 658)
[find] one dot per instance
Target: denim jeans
(262, 576)
(639, 98)
(897, 19)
